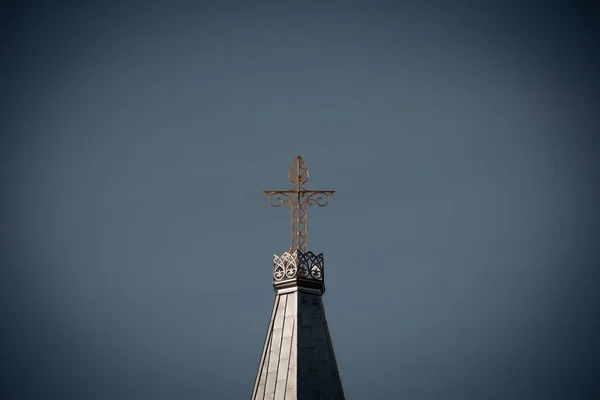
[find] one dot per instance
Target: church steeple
(297, 361)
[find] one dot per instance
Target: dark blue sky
(461, 247)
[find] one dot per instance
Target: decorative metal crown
(298, 265)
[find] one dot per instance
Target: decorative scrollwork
(285, 266)
(277, 198)
(313, 263)
(298, 265)
(303, 272)
(290, 272)
(319, 198)
(315, 272)
(278, 274)
(279, 271)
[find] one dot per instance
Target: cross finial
(298, 199)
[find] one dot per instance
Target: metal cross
(298, 199)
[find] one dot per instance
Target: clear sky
(461, 247)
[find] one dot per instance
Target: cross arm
(279, 197)
(319, 197)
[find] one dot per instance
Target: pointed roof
(298, 360)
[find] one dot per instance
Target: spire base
(297, 270)
(298, 361)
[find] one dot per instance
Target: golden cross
(298, 199)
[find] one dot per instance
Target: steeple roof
(298, 361)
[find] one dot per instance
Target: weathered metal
(298, 361)
(298, 199)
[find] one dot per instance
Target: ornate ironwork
(285, 266)
(298, 265)
(298, 199)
